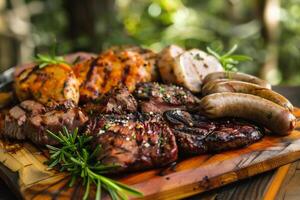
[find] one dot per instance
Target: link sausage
(236, 76)
(247, 88)
(274, 117)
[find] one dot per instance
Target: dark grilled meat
(17, 116)
(197, 135)
(98, 76)
(117, 101)
(133, 142)
(54, 120)
(31, 119)
(158, 98)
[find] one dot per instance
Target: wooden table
(282, 183)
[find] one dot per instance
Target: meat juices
(133, 142)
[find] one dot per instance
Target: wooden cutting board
(23, 170)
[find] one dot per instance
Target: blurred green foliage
(189, 23)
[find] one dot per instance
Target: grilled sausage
(274, 117)
(236, 76)
(209, 85)
(248, 88)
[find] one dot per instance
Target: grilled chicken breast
(98, 76)
(52, 84)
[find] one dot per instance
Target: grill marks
(110, 69)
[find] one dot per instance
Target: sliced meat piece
(54, 120)
(117, 101)
(133, 142)
(17, 116)
(166, 63)
(157, 98)
(196, 134)
(192, 66)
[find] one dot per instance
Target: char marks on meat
(117, 101)
(31, 119)
(17, 117)
(37, 126)
(133, 142)
(197, 135)
(158, 98)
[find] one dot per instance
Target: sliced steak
(54, 120)
(133, 142)
(117, 101)
(17, 116)
(158, 98)
(196, 134)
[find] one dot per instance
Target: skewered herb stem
(75, 156)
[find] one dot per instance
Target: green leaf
(213, 52)
(232, 50)
(241, 58)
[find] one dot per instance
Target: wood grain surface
(23, 170)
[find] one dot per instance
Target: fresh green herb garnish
(228, 60)
(76, 156)
(44, 60)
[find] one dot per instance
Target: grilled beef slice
(54, 120)
(158, 98)
(17, 117)
(196, 134)
(133, 142)
(31, 119)
(117, 101)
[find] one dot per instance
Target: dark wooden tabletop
(281, 183)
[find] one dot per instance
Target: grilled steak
(197, 135)
(17, 116)
(117, 101)
(54, 120)
(157, 98)
(133, 142)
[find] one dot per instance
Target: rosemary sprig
(228, 60)
(76, 157)
(43, 60)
